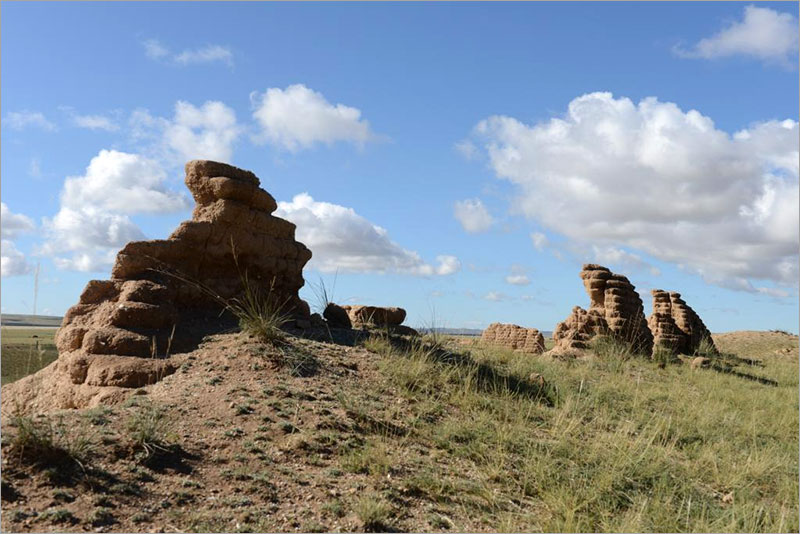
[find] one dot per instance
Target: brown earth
(259, 441)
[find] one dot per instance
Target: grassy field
(623, 446)
(16, 319)
(455, 436)
(25, 350)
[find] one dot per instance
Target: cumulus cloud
(12, 224)
(298, 117)
(12, 261)
(762, 33)
(343, 240)
(19, 120)
(617, 257)
(656, 179)
(518, 276)
(206, 132)
(211, 53)
(473, 215)
(93, 221)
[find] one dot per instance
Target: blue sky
(458, 160)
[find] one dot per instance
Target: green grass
(19, 352)
(616, 443)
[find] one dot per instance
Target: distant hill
(467, 331)
(14, 319)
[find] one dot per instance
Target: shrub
(58, 515)
(101, 516)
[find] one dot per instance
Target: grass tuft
(48, 443)
(260, 313)
(374, 513)
(148, 429)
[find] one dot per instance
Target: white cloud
(19, 120)
(495, 296)
(12, 261)
(473, 215)
(763, 33)
(206, 54)
(539, 240)
(343, 240)
(90, 122)
(467, 149)
(154, 49)
(205, 132)
(298, 118)
(653, 178)
(518, 277)
(119, 182)
(617, 257)
(34, 168)
(95, 122)
(447, 265)
(93, 222)
(211, 53)
(12, 224)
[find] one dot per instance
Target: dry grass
(435, 435)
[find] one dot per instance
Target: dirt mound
(616, 310)
(317, 437)
(757, 344)
(165, 295)
(527, 340)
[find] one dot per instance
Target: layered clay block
(675, 325)
(375, 315)
(164, 296)
(527, 340)
(615, 310)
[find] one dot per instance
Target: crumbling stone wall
(675, 325)
(615, 310)
(527, 340)
(165, 295)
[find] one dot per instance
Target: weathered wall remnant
(615, 310)
(159, 298)
(675, 325)
(528, 340)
